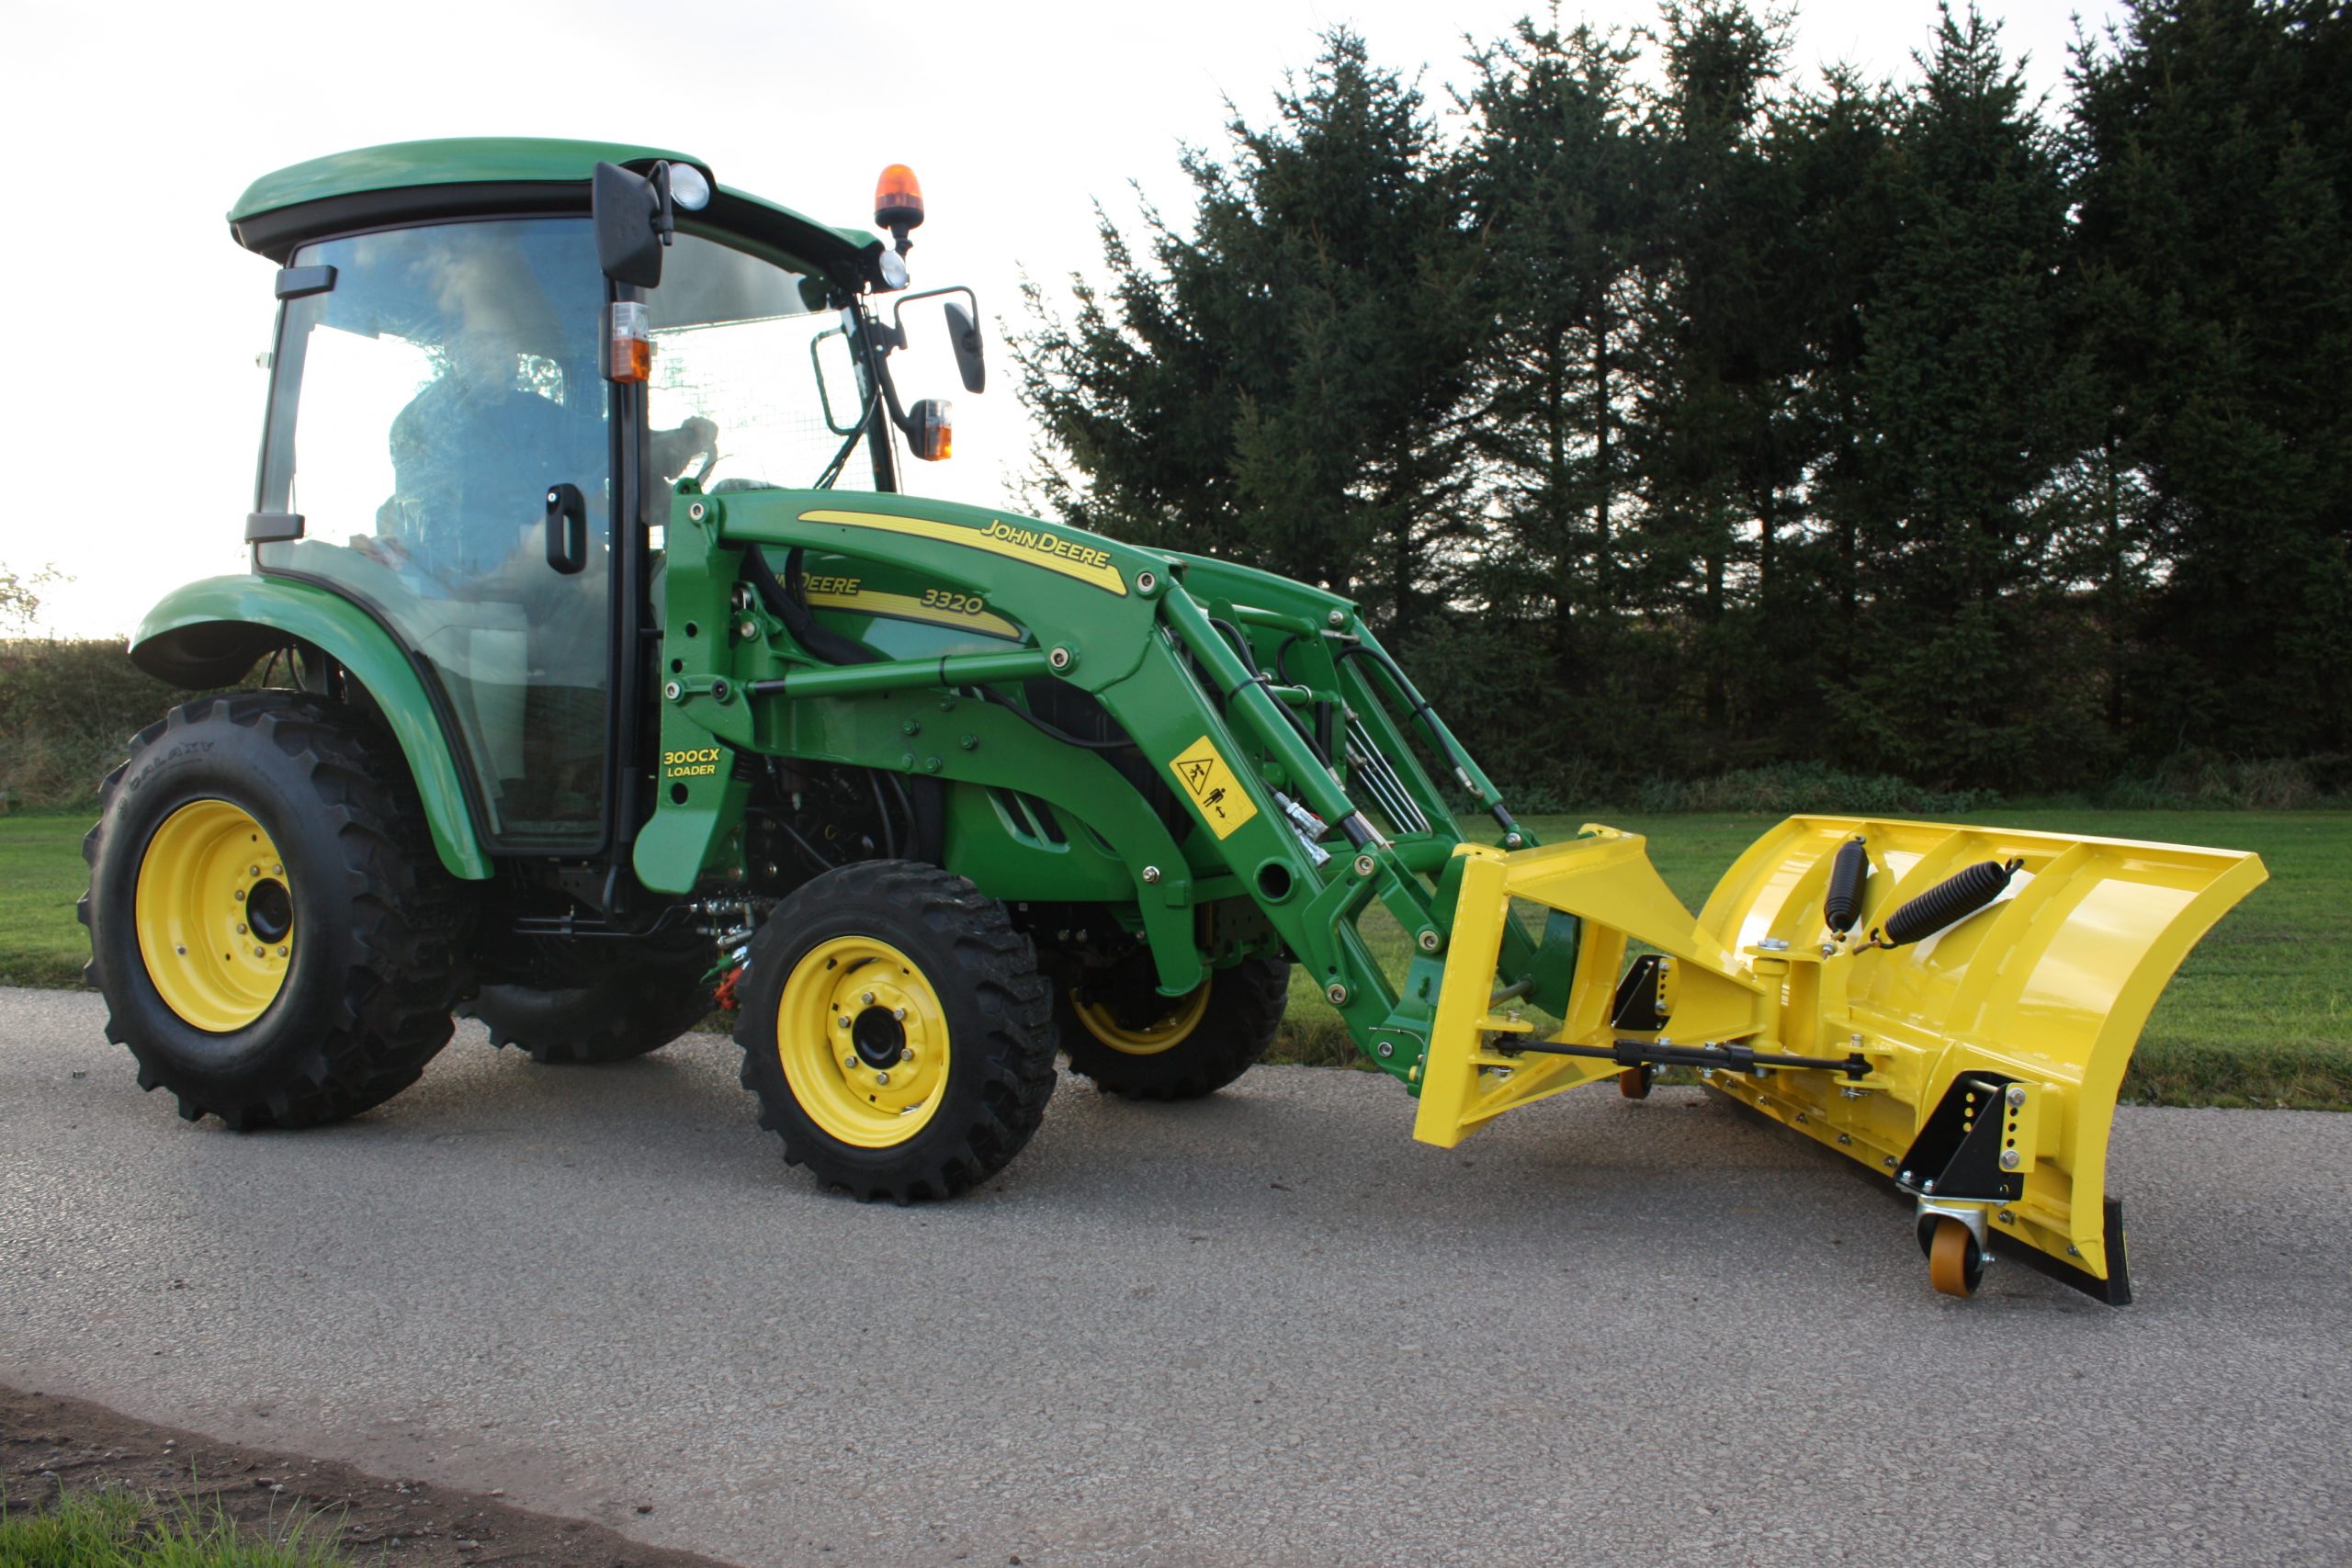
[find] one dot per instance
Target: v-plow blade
(1953, 1007)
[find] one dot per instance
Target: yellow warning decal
(1036, 547)
(1209, 783)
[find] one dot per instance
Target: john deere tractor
(606, 659)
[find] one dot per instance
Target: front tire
(1133, 1041)
(897, 1031)
(275, 940)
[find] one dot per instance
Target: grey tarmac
(1266, 1328)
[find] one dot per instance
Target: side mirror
(964, 334)
(627, 223)
(634, 215)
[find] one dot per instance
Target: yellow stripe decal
(1033, 546)
(906, 607)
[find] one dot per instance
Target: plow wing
(1975, 1062)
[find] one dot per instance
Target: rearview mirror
(627, 223)
(963, 332)
(964, 335)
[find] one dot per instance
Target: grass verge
(41, 877)
(115, 1528)
(2260, 1014)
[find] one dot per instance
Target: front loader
(611, 662)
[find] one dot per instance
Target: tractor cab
(488, 353)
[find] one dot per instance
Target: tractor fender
(210, 632)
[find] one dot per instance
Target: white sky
(134, 394)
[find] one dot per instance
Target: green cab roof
(471, 175)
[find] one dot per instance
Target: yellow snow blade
(1977, 1066)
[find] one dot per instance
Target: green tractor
(607, 660)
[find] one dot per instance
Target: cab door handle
(567, 528)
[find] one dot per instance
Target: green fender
(210, 633)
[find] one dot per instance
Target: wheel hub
(880, 1039)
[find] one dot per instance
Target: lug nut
(240, 929)
(882, 1077)
(239, 895)
(842, 1022)
(899, 1014)
(865, 996)
(253, 871)
(850, 1062)
(281, 953)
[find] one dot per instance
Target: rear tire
(1133, 1041)
(897, 1031)
(605, 1005)
(276, 942)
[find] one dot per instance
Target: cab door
(440, 450)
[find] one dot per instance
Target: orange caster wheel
(1634, 1083)
(1955, 1264)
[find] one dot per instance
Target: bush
(2204, 781)
(68, 710)
(1788, 787)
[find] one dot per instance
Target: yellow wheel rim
(215, 916)
(1184, 1016)
(862, 1041)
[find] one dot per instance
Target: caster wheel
(1634, 1083)
(1955, 1267)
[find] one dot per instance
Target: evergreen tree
(1561, 184)
(1284, 386)
(2216, 267)
(1971, 395)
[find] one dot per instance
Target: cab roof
(467, 176)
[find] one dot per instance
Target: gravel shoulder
(50, 1443)
(1267, 1327)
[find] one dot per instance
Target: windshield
(745, 352)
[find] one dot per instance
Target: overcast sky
(135, 392)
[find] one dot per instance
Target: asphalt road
(1263, 1329)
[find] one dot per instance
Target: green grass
(2261, 1014)
(42, 875)
(115, 1529)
